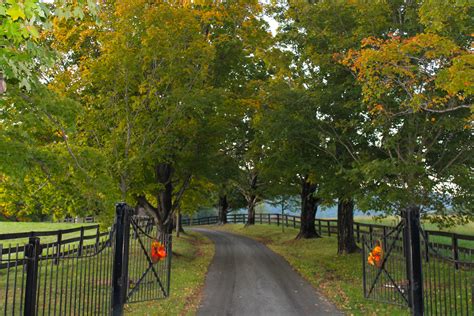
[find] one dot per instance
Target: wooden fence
(328, 227)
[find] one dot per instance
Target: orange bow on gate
(158, 251)
(376, 255)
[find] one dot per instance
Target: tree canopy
(176, 105)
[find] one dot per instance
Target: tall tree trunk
(309, 206)
(178, 226)
(164, 174)
(345, 227)
(251, 210)
(223, 207)
(252, 201)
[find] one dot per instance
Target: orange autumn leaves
(376, 256)
(426, 72)
(158, 251)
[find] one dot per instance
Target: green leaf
(15, 12)
(78, 13)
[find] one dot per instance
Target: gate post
(32, 253)
(413, 259)
(120, 265)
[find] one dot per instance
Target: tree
(25, 56)
(293, 160)
(420, 102)
(155, 97)
(44, 167)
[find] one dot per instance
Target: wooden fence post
(454, 242)
(358, 233)
(81, 243)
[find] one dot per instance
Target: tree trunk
(345, 227)
(309, 206)
(252, 201)
(179, 226)
(165, 196)
(251, 211)
(223, 207)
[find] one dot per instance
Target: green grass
(339, 278)
(192, 254)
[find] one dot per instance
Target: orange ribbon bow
(158, 251)
(376, 256)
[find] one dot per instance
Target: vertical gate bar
(329, 228)
(8, 277)
(73, 281)
(126, 250)
(51, 276)
(67, 277)
(61, 264)
(168, 266)
(414, 261)
(32, 253)
(364, 276)
(15, 277)
(89, 273)
(22, 280)
(80, 269)
(117, 274)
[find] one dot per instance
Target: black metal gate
(92, 274)
(138, 274)
(385, 280)
(401, 266)
(148, 279)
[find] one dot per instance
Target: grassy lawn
(339, 278)
(192, 254)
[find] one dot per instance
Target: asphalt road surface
(246, 278)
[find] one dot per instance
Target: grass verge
(192, 254)
(339, 278)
